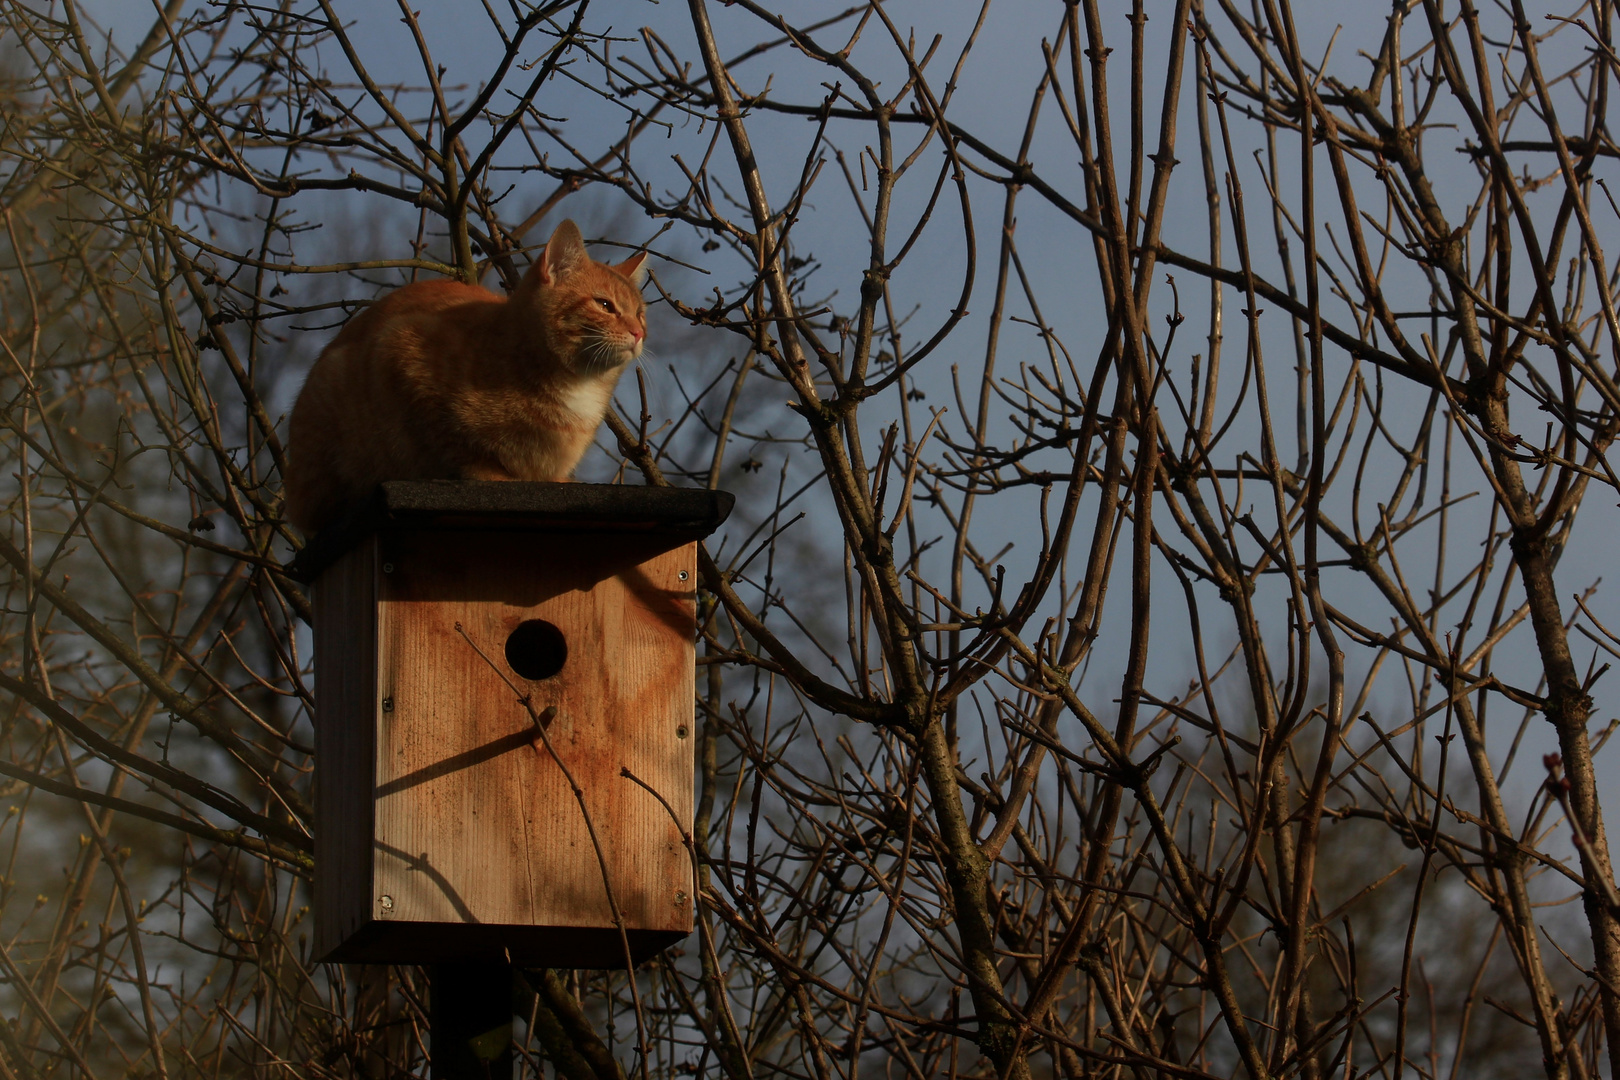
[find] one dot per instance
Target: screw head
(388, 704)
(388, 568)
(680, 732)
(386, 903)
(680, 898)
(683, 575)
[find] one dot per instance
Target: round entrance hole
(536, 649)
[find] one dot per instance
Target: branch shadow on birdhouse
(480, 650)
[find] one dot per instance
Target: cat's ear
(565, 253)
(634, 268)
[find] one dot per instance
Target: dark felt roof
(516, 506)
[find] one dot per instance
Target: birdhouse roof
(678, 514)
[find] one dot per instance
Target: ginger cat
(444, 380)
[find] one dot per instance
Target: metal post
(470, 1010)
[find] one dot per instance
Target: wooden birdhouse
(460, 628)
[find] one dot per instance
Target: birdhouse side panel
(345, 707)
(476, 819)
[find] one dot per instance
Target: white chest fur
(551, 441)
(588, 399)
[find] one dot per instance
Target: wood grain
(473, 825)
(345, 702)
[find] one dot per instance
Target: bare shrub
(1155, 638)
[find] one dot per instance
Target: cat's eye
(607, 305)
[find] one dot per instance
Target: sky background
(991, 100)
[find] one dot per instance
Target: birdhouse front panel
(504, 722)
(477, 820)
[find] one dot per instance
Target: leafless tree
(1078, 695)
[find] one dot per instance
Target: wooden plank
(680, 514)
(475, 823)
(400, 942)
(345, 707)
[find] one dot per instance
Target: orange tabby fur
(444, 380)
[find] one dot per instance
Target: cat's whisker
(599, 352)
(603, 351)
